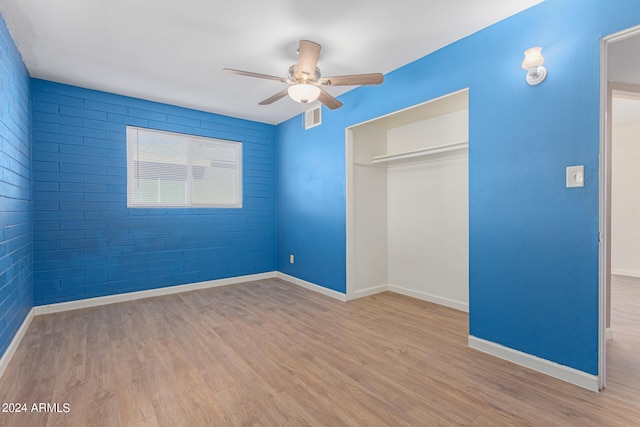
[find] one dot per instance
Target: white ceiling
(173, 51)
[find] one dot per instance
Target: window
(167, 169)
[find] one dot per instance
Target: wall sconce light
(533, 61)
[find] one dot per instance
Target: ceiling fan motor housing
(296, 75)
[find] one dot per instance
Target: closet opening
(408, 203)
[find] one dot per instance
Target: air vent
(312, 117)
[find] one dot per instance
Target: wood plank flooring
(623, 351)
(271, 353)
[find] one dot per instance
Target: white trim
(622, 35)
(608, 333)
(624, 90)
(604, 199)
(626, 273)
(411, 107)
(312, 286)
(350, 212)
(604, 220)
(458, 305)
(17, 338)
(367, 292)
(130, 296)
(565, 373)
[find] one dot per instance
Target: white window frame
(189, 142)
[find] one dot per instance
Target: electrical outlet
(291, 260)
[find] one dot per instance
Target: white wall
(428, 213)
(370, 201)
(447, 129)
(625, 200)
(370, 213)
(428, 230)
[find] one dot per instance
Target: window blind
(168, 169)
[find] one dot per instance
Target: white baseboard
(367, 292)
(565, 373)
(313, 287)
(608, 333)
(430, 298)
(424, 296)
(130, 296)
(17, 338)
(628, 273)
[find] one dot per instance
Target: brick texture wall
(87, 243)
(16, 291)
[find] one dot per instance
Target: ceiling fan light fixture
(304, 93)
(305, 82)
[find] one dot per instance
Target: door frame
(604, 251)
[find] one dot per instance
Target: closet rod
(420, 153)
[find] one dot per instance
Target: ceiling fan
(305, 80)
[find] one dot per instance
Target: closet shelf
(420, 153)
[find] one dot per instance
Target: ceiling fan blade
(258, 75)
(275, 97)
(328, 100)
(353, 80)
(308, 54)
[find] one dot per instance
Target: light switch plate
(575, 176)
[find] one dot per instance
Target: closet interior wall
(408, 203)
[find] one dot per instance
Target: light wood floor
(270, 353)
(623, 351)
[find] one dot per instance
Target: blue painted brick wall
(87, 243)
(16, 290)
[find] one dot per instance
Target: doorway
(619, 224)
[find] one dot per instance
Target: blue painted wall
(87, 243)
(533, 242)
(16, 290)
